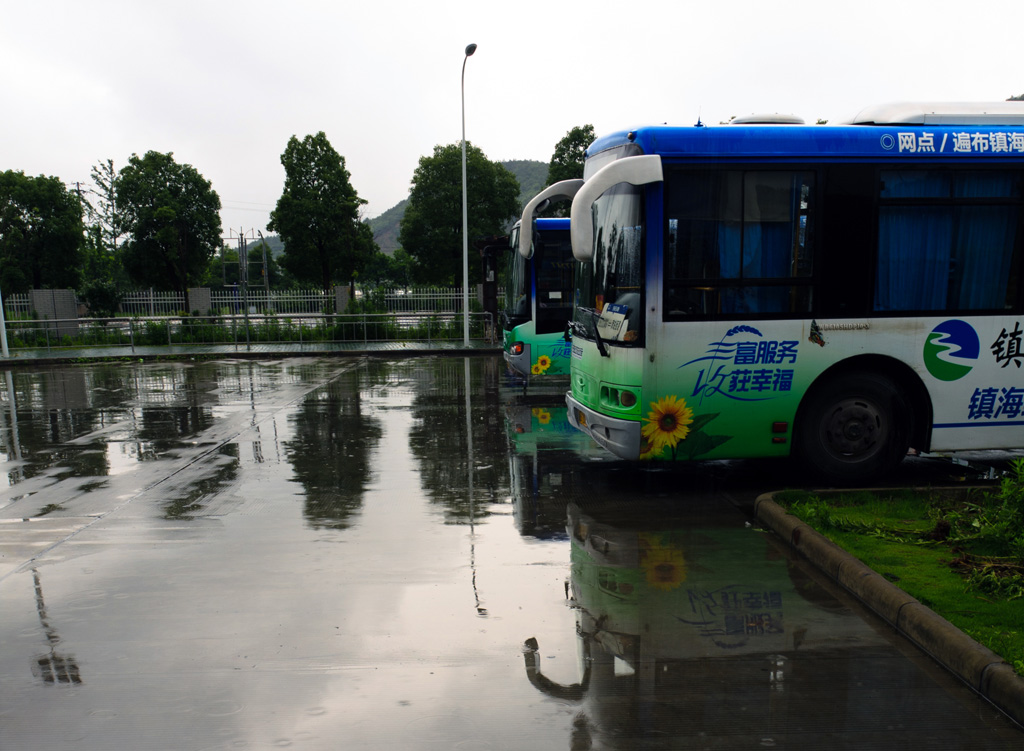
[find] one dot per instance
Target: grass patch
(959, 553)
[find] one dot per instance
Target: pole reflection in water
(480, 609)
(51, 667)
(546, 456)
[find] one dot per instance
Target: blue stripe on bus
(978, 424)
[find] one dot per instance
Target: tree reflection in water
(331, 450)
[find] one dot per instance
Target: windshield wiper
(595, 316)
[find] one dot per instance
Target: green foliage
(264, 265)
(531, 175)
(431, 230)
(101, 297)
(224, 270)
(567, 160)
(170, 215)
(317, 215)
(100, 206)
(387, 271)
(41, 234)
(961, 554)
(372, 301)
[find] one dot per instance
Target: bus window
(947, 240)
(554, 264)
(738, 242)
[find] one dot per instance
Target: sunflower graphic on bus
(672, 431)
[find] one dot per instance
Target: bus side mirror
(565, 189)
(635, 170)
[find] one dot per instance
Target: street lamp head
(470, 49)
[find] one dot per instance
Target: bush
(101, 297)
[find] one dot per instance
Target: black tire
(853, 428)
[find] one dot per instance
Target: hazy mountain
(532, 176)
(385, 227)
(274, 244)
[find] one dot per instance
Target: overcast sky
(223, 85)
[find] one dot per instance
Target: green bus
(538, 299)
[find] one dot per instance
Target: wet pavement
(411, 553)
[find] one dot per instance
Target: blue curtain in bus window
(984, 249)
(914, 251)
(730, 266)
(730, 250)
(952, 256)
(985, 239)
(916, 184)
(770, 210)
(772, 206)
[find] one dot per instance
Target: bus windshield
(517, 286)
(615, 275)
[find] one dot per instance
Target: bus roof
(941, 113)
(549, 223)
(909, 130)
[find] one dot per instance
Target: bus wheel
(854, 427)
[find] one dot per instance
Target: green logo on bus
(951, 350)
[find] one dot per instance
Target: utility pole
(243, 274)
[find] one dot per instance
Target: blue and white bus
(841, 293)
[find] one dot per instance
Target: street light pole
(470, 49)
(3, 331)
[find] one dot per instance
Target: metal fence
(17, 306)
(234, 300)
(245, 331)
(150, 303)
(422, 299)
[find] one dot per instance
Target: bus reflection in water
(687, 632)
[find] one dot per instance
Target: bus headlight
(616, 397)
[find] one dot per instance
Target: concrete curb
(976, 665)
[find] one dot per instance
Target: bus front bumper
(621, 437)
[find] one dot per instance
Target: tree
(277, 277)
(567, 160)
(170, 215)
(383, 270)
(224, 268)
(41, 233)
(100, 206)
(317, 215)
(105, 277)
(431, 230)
